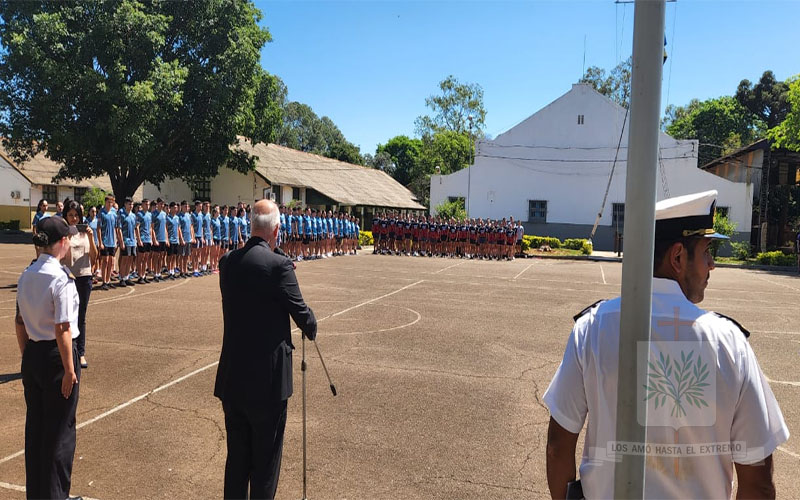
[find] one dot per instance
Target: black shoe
(141, 281)
(121, 284)
(104, 287)
(129, 282)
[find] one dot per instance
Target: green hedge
(534, 242)
(586, 247)
(365, 238)
(11, 225)
(776, 258)
(537, 241)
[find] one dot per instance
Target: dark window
(580, 119)
(201, 190)
(453, 199)
(537, 211)
(618, 217)
(295, 193)
(50, 193)
(723, 211)
(79, 192)
(276, 190)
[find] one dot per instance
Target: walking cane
(333, 390)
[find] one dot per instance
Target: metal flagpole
(637, 264)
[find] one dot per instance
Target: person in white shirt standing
(46, 328)
(709, 406)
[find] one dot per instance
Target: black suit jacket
(259, 293)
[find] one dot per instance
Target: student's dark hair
(145, 200)
(159, 200)
(110, 197)
(197, 202)
(184, 202)
(39, 205)
(172, 204)
(136, 205)
(662, 246)
(74, 205)
(128, 199)
(66, 200)
(240, 212)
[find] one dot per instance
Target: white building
(22, 185)
(551, 171)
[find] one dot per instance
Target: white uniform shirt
(46, 296)
(688, 458)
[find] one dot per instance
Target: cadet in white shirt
(710, 408)
(46, 328)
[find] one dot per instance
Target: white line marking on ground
(521, 272)
(199, 370)
(603, 274)
(788, 452)
(790, 287)
(450, 267)
(10, 486)
(784, 382)
(371, 301)
(419, 317)
(16, 487)
(10, 272)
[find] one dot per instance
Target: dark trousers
(84, 286)
(49, 422)
(255, 446)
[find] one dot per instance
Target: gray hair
(266, 222)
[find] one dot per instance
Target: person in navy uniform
(254, 378)
(46, 326)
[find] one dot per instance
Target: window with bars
(78, 194)
(295, 193)
(201, 190)
(618, 216)
(537, 211)
(50, 193)
(580, 119)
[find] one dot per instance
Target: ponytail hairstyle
(39, 205)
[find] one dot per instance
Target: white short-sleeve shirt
(46, 296)
(725, 411)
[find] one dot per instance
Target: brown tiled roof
(343, 182)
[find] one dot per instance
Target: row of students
(312, 234)
(437, 236)
(161, 240)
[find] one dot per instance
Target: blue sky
(369, 65)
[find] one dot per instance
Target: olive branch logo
(677, 381)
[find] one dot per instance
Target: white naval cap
(688, 215)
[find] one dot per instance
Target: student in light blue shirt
(224, 229)
(160, 245)
(107, 237)
(41, 213)
(127, 233)
(215, 249)
(235, 226)
(205, 255)
(174, 247)
(143, 252)
(187, 239)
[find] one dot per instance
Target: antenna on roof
(583, 70)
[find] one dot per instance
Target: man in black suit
(254, 378)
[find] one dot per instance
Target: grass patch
(556, 252)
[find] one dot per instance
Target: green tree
(452, 109)
(786, 134)
(616, 85)
(93, 197)
(767, 100)
(721, 125)
(137, 90)
(303, 130)
(723, 225)
(405, 155)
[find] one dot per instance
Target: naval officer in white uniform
(710, 408)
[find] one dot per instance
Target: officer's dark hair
(74, 205)
(662, 246)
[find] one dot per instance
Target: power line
(561, 160)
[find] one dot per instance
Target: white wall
(12, 180)
(229, 187)
(549, 156)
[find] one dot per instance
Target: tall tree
(305, 131)
(616, 85)
(786, 134)
(452, 109)
(138, 90)
(721, 125)
(405, 154)
(767, 100)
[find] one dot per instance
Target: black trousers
(49, 422)
(84, 286)
(255, 446)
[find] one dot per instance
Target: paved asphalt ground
(439, 365)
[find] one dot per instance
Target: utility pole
(637, 264)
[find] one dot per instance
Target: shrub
(776, 258)
(575, 243)
(723, 226)
(94, 197)
(365, 238)
(537, 241)
(586, 248)
(741, 250)
(452, 209)
(10, 225)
